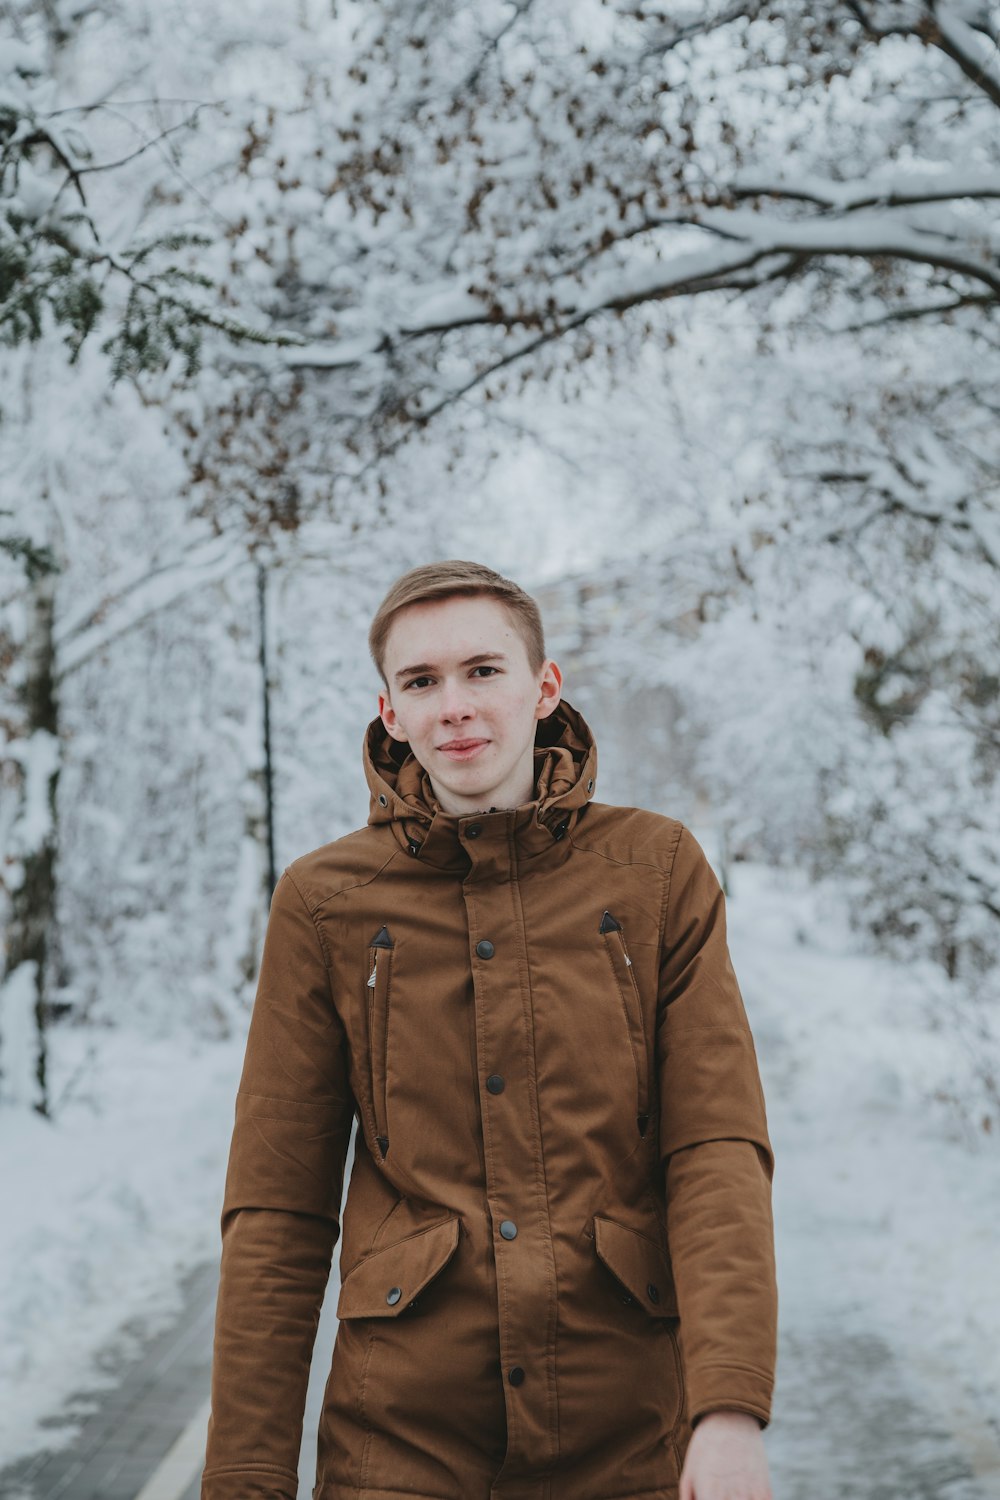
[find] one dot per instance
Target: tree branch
(973, 49)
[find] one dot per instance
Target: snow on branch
(972, 47)
(740, 241)
(875, 190)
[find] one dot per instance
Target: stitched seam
(641, 1233)
(312, 917)
(656, 1494)
(669, 880)
(326, 1493)
(623, 864)
(356, 885)
(382, 1223)
(655, 1101)
(251, 1468)
(667, 884)
(737, 1032)
(363, 1415)
(280, 1120)
(679, 1364)
(384, 1249)
(280, 1099)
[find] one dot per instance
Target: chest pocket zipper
(380, 952)
(628, 989)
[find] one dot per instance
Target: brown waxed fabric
(557, 1247)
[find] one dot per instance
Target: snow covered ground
(887, 1213)
(886, 1203)
(102, 1213)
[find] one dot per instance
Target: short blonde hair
(440, 580)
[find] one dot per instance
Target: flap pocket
(639, 1263)
(384, 1283)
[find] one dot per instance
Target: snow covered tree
(65, 255)
(452, 206)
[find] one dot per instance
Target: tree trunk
(31, 870)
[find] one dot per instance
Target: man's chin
(468, 787)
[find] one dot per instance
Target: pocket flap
(384, 1283)
(640, 1264)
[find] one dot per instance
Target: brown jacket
(557, 1248)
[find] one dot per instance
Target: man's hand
(726, 1460)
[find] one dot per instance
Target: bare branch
(914, 314)
(868, 192)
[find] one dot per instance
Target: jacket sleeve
(281, 1212)
(715, 1153)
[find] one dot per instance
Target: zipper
(614, 941)
(377, 988)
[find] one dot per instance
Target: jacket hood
(565, 756)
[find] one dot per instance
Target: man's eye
(483, 667)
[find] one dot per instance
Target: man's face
(439, 698)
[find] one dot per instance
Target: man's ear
(388, 716)
(550, 690)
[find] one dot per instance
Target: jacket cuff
(249, 1482)
(717, 1388)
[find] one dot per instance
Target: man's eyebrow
(470, 661)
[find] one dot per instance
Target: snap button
(495, 1083)
(393, 1294)
(485, 948)
(627, 1298)
(516, 1375)
(654, 1291)
(383, 799)
(508, 1229)
(474, 830)
(560, 831)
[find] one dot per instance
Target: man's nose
(455, 701)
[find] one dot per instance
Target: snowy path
(146, 1440)
(126, 1439)
(887, 1217)
(888, 1383)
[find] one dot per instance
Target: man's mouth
(462, 749)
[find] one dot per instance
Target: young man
(557, 1260)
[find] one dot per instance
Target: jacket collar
(565, 756)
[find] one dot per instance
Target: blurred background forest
(686, 317)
